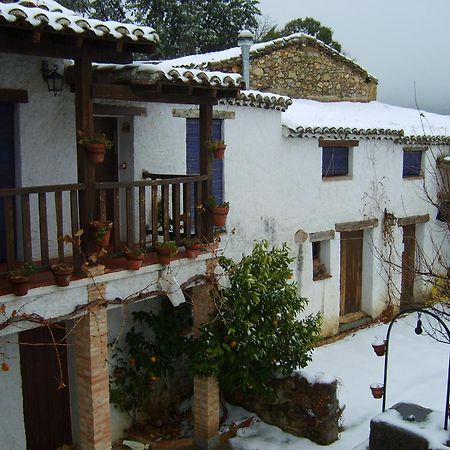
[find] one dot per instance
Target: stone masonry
(305, 68)
(299, 408)
(92, 375)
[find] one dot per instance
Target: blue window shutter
(412, 163)
(7, 166)
(334, 161)
(193, 154)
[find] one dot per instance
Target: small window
(335, 161)
(412, 164)
(321, 260)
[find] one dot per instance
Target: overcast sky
(400, 42)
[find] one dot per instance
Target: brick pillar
(206, 389)
(91, 354)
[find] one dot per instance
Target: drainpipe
(245, 41)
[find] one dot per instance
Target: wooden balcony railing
(33, 220)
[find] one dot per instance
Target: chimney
(245, 41)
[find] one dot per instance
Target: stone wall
(299, 407)
(302, 70)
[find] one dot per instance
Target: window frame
(344, 146)
(413, 151)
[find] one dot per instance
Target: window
(335, 161)
(321, 260)
(412, 163)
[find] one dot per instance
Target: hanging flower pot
(62, 274)
(102, 232)
(379, 347)
(219, 151)
(218, 212)
(94, 145)
(135, 258)
(377, 390)
(218, 148)
(166, 251)
(95, 152)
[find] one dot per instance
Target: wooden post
(206, 163)
(85, 124)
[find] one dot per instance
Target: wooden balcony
(34, 219)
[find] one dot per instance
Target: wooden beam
(206, 163)
(195, 114)
(147, 94)
(357, 225)
(119, 110)
(13, 96)
(85, 124)
(64, 46)
(412, 220)
(338, 143)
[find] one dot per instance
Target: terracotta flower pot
(134, 262)
(379, 348)
(193, 250)
(165, 255)
(95, 152)
(219, 151)
(62, 274)
(219, 216)
(105, 227)
(19, 284)
(377, 390)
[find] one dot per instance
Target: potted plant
(102, 232)
(193, 247)
(95, 145)
(135, 257)
(166, 251)
(20, 279)
(62, 272)
(218, 211)
(377, 390)
(218, 148)
(379, 347)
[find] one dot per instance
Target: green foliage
(257, 332)
(309, 26)
(211, 202)
(169, 245)
(184, 27)
(27, 269)
(146, 361)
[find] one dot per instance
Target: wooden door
(408, 266)
(7, 164)
(46, 408)
(351, 271)
(108, 170)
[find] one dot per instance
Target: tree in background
(184, 26)
(309, 26)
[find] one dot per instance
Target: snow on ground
(417, 374)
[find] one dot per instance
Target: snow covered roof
(148, 74)
(259, 99)
(50, 15)
(208, 60)
(373, 120)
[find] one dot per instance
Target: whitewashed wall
(275, 188)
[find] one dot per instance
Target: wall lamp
(55, 81)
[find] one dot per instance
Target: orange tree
(257, 331)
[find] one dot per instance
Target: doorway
(46, 406)
(408, 266)
(351, 271)
(7, 165)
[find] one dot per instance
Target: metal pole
(421, 311)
